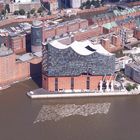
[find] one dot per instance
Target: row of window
(72, 83)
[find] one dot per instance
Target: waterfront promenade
(42, 93)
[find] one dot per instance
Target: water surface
(18, 113)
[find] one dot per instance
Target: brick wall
(105, 43)
(18, 44)
(60, 30)
(79, 82)
(72, 27)
(11, 71)
(112, 45)
(7, 68)
(83, 24)
(116, 40)
(88, 34)
(137, 33)
(92, 11)
(48, 33)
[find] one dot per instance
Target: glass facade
(66, 62)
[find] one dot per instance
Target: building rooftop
(110, 25)
(26, 57)
(4, 51)
(81, 47)
(135, 66)
(15, 29)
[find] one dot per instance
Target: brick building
(75, 67)
(137, 33)
(27, 6)
(52, 31)
(18, 43)
(15, 68)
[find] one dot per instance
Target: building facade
(132, 70)
(36, 36)
(13, 69)
(78, 66)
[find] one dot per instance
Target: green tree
(46, 5)
(40, 10)
(7, 8)
(33, 11)
(49, 13)
(135, 86)
(88, 2)
(28, 15)
(35, 15)
(129, 87)
(16, 12)
(21, 12)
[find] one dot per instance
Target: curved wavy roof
(81, 47)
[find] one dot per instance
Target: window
(72, 83)
(56, 84)
(88, 82)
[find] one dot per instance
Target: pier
(42, 93)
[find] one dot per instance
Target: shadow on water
(35, 72)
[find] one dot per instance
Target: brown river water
(96, 118)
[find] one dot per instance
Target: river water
(96, 118)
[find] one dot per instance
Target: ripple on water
(58, 112)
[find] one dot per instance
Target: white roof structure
(26, 57)
(82, 47)
(59, 45)
(133, 51)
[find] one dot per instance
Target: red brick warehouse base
(80, 82)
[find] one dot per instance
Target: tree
(88, 6)
(40, 10)
(35, 15)
(135, 86)
(129, 87)
(7, 8)
(46, 5)
(33, 11)
(28, 15)
(49, 13)
(16, 12)
(88, 2)
(21, 12)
